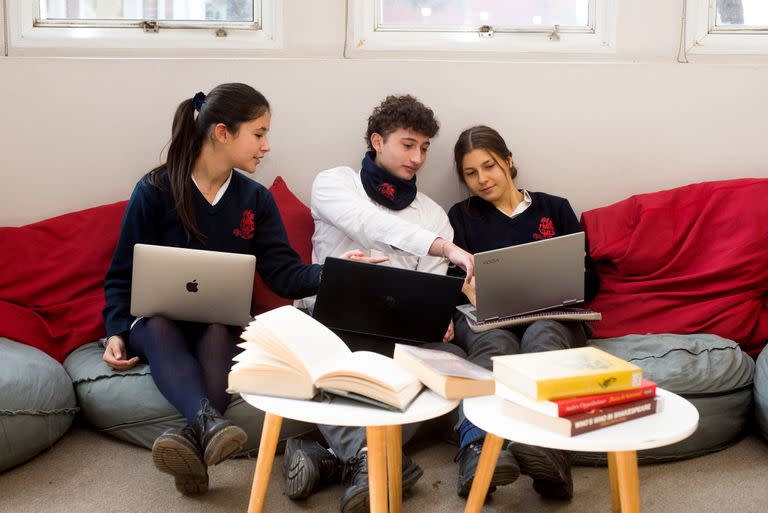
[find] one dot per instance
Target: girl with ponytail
(197, 200)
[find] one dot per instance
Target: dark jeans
(544, 335)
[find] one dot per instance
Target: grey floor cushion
(37, 402)
(129, 406)
(761, 392)
(711, 372)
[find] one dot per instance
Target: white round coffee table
(383, 433)
(677, 420)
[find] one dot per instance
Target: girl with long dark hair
(197, 200)
(498, 215)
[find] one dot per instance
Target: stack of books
(573, 391)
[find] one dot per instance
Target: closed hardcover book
(566, 373)
(573, 405)
(445, 373)
(586, 421)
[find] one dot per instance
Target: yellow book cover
(566, 373)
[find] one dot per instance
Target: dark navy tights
(189, 361)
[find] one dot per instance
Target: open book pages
(289, 354)
(372, 375)
(445, 373)
(295, 338)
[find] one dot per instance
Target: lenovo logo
(491, 261)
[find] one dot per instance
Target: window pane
(742, 12)
(474, 13)
(168, 10)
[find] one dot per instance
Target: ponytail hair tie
(198, 100)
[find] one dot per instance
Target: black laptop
(385, 301)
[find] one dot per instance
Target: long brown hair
(230, 104)
(482, 137)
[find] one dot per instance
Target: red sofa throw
(52, 273)
(688, 260)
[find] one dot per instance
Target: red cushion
(300, 226)
(52, 278)
(52, 273)
(687, 260)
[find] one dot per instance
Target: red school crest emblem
(546, 229)
(245, 231)
(387, 190)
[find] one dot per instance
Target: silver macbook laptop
(192, 285)
(528, 278)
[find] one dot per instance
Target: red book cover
(574, 405)
(584, 422)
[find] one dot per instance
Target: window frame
(3, 30)
(27, 37)
(704, 39)
(365, 39)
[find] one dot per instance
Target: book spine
(588, 385)
(575, 405)
(590, 421)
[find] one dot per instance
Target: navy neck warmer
(385, 188)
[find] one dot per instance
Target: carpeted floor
(86, 472)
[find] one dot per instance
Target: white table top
(345, 412)
(677, 421)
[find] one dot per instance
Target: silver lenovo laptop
(528, 278)
(192, 285)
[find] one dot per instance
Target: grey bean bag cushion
(37, 402)
(711, 372)
(761, 392)
(129, 406)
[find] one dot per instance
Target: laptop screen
(379, 300)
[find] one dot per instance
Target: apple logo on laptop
(192, 286)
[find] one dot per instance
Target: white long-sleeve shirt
(346, 219)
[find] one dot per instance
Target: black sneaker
(219, 438)
(177, 452)
(307, 466)
(506, 471)
(549, 468)
(356, 498)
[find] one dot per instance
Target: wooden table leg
(377, 467)
(269, 435)
(485, 467)
(624, 481)
(613, 477)
(395, 468)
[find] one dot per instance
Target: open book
(289, 354)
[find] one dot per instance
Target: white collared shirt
(346, 219)
(221, 190)
(521, 207)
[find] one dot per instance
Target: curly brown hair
(401, 112)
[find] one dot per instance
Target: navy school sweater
(244, 220)
(479, 226)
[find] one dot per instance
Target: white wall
(78, 132)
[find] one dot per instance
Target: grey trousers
(544, 335)
(346, 441)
